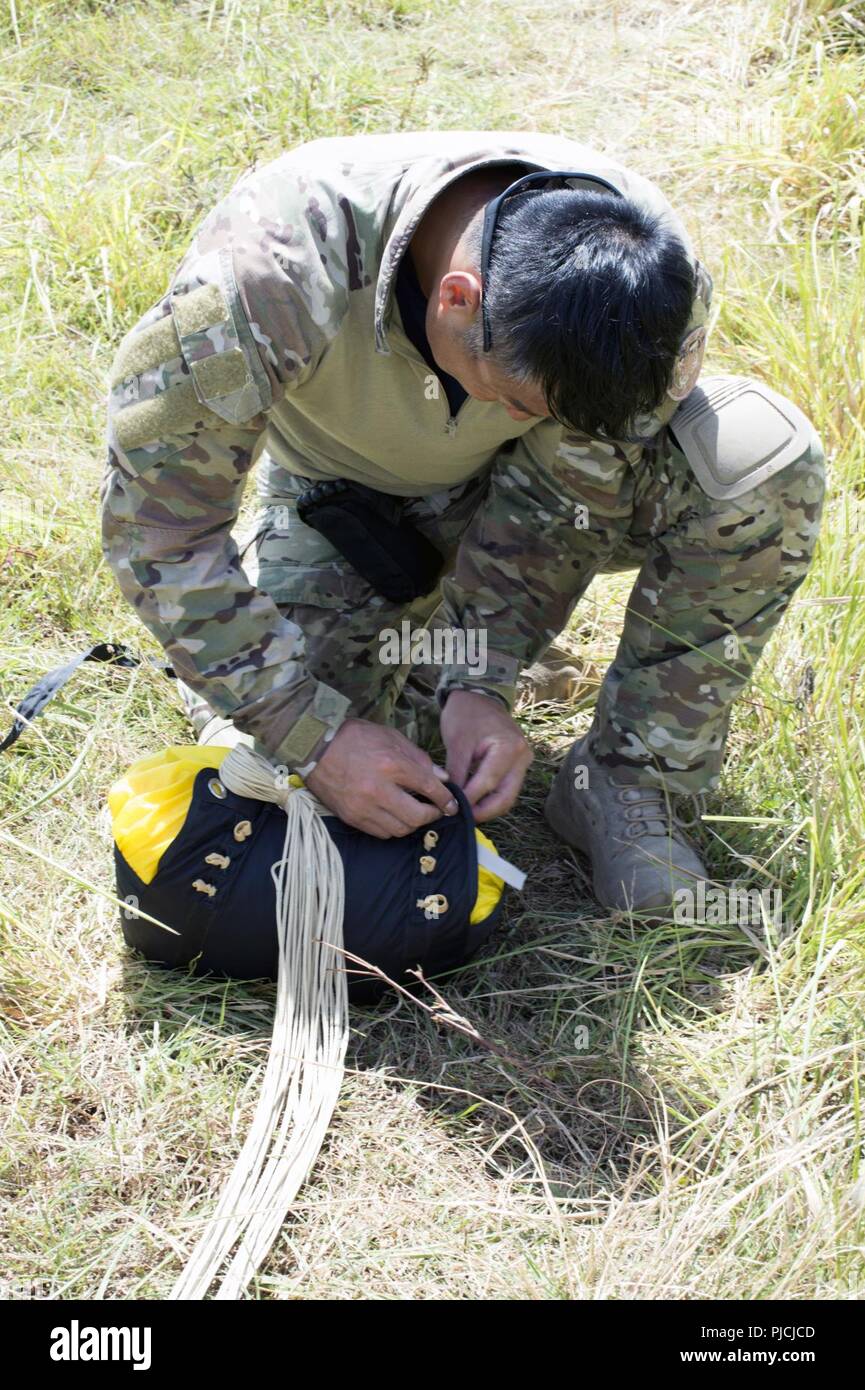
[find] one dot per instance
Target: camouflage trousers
(714, 579)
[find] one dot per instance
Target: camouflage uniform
(280, 330)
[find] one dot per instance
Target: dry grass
(708, 1140)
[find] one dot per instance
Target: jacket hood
(429, 161)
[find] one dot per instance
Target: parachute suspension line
(305, 1066)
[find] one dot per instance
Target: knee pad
(736, 433)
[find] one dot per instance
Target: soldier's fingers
(494, 762)
(384, 826)
(422, 763)
(425, 783)
(500, 801)
(414, 754)
(370, 815)
(410, 812)
(460, 755)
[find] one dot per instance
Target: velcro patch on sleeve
(302, 739)
(139, 351)
(175, 411)
(220, 374)
(199, 309)
(217, 343)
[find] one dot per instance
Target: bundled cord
(305, 1067)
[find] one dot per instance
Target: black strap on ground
(44, 690)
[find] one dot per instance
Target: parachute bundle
(255, 878)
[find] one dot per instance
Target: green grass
(708, 1142)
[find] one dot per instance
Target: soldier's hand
(488, 756)
(372, 776)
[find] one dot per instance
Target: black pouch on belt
(369, 529)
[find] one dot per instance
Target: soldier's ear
(460, 292)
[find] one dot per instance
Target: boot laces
(651, 811)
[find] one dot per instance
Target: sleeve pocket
(217, 342)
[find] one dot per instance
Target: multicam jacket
(280, 329)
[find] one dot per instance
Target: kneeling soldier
(469, 364)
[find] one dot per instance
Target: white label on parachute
(496, 865)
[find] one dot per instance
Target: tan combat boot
(640, 854)
(556, 676)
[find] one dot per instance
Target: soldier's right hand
(372, 776)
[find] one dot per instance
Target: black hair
(589, 297)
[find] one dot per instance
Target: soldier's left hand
(487, 754)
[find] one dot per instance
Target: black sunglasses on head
(528, 183)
